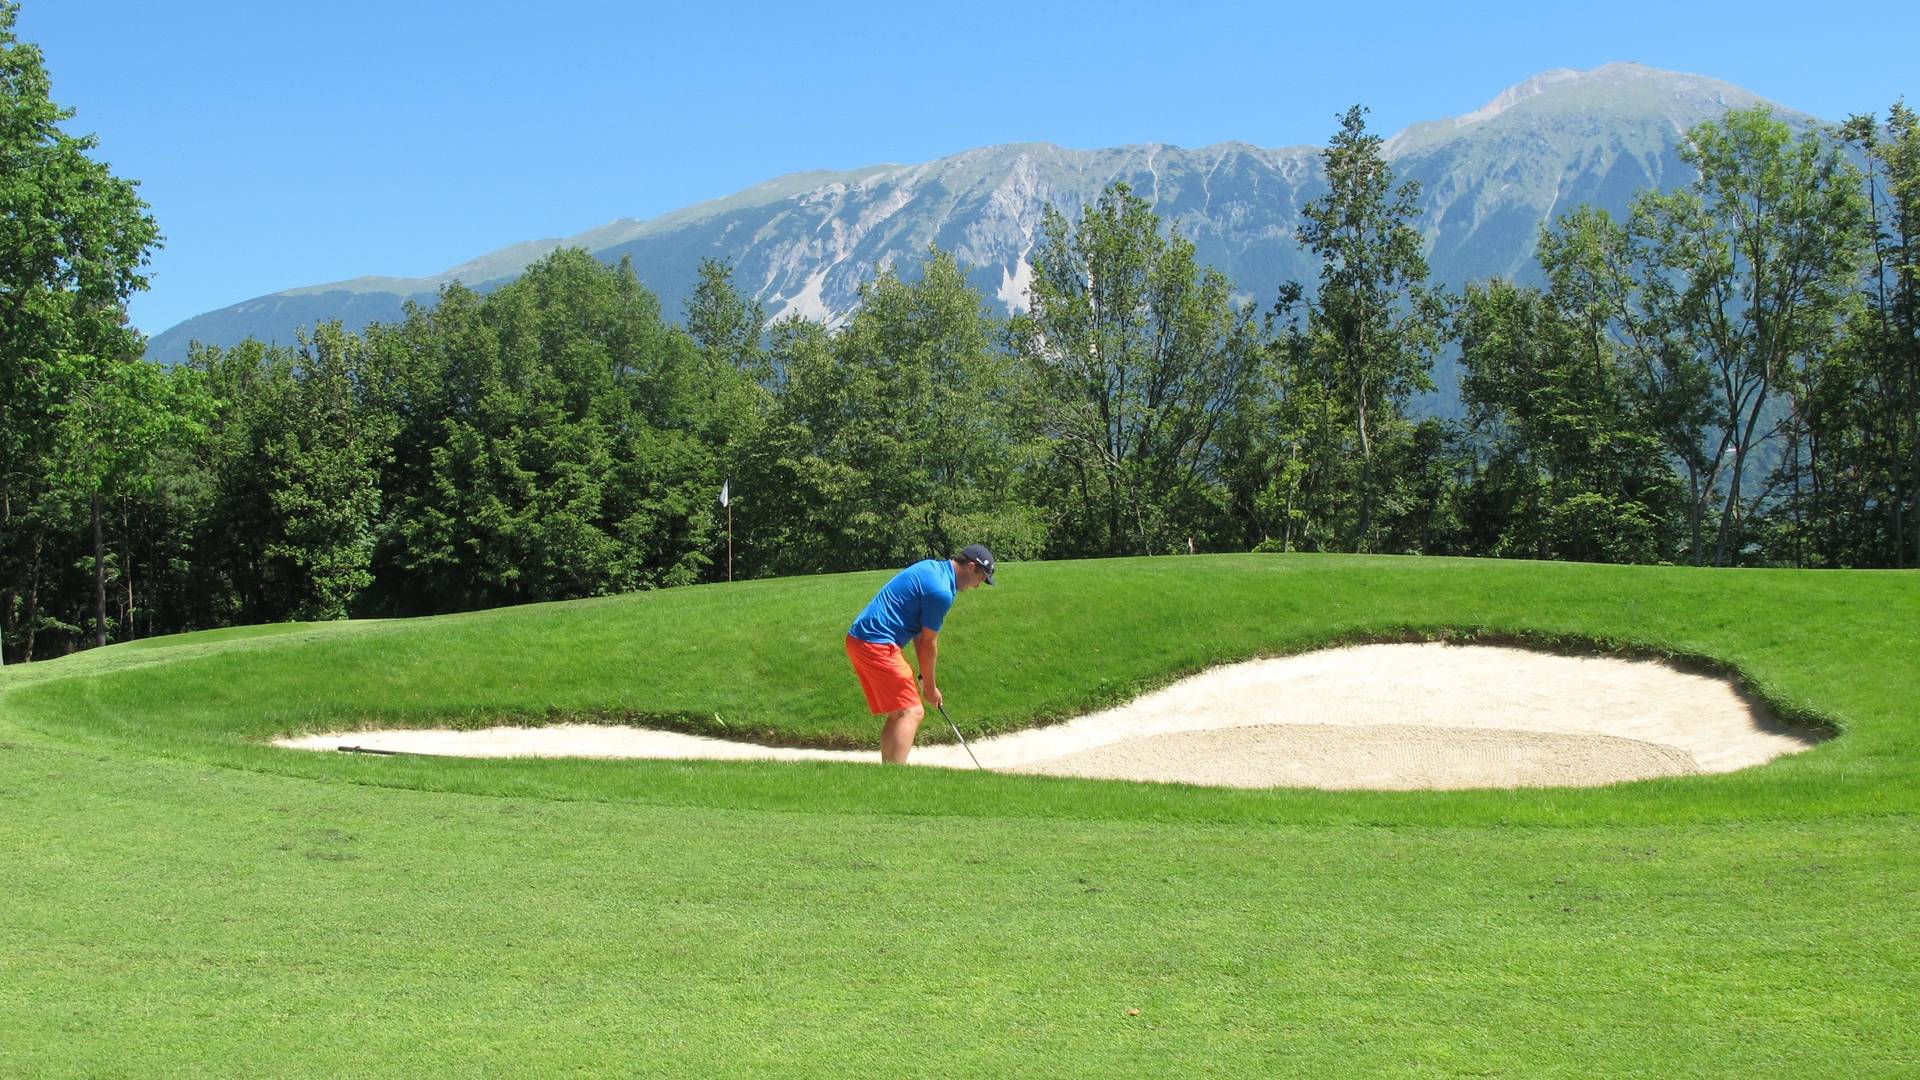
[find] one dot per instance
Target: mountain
(803, 243)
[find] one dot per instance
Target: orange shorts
(884, 675)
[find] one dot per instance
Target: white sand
(1371, 716)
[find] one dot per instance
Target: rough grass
(183, 901)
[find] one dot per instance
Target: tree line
(1730, 375)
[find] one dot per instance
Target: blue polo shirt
(916, 599)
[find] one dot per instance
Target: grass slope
(168, 913)
(763, 660)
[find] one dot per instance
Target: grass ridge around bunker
(760, 661)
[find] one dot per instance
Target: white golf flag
(723, 492)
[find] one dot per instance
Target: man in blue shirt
(911, 607)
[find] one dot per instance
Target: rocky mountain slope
(804, 243)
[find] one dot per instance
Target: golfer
(910, 608)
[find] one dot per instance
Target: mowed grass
(184, 901)
(763, 661)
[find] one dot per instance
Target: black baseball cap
(979, 556)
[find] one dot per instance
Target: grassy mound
(184, 901)
(762, 661)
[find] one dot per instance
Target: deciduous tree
(1745, 274)
(73, 239)
(1372, 328)
(1135, 356)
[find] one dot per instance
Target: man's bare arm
(926, 648)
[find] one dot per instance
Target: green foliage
(553, 439)
(560, 438)
(890, 440)
(1854, 461)
(291, 467)
(73, 238)
(1134, 358)
(565, 454)
(725, 325)
(1674, 362)
(1746, 274)
(80, 415)
(1365, 344)
(1422, 505)
(1572, 470)
(324, 468)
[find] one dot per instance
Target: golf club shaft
(957, 735)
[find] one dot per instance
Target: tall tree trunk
(1824, 519)
(1728, 512)
(153, 560)
(1882, 308)
(1696, 509)
(9, 596)
(1286, 523)
(1366, 470)
(1088, 510)
(1742, 448)
(1899, 525)
(1913, 448)
(1910, 344)
(1913, 486)
(1112, 546)
(33, 594)
(99, 578)
(1799, 539)
(126, 572)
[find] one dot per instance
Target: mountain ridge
(802, 242)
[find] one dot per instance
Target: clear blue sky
(288, 145)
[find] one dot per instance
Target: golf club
(957, 735)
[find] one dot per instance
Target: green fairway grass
(184, 900)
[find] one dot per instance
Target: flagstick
(728, 503)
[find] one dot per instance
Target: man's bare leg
(896, 735)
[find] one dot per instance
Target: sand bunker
(1383, 717)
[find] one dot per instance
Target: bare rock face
(804, 244)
